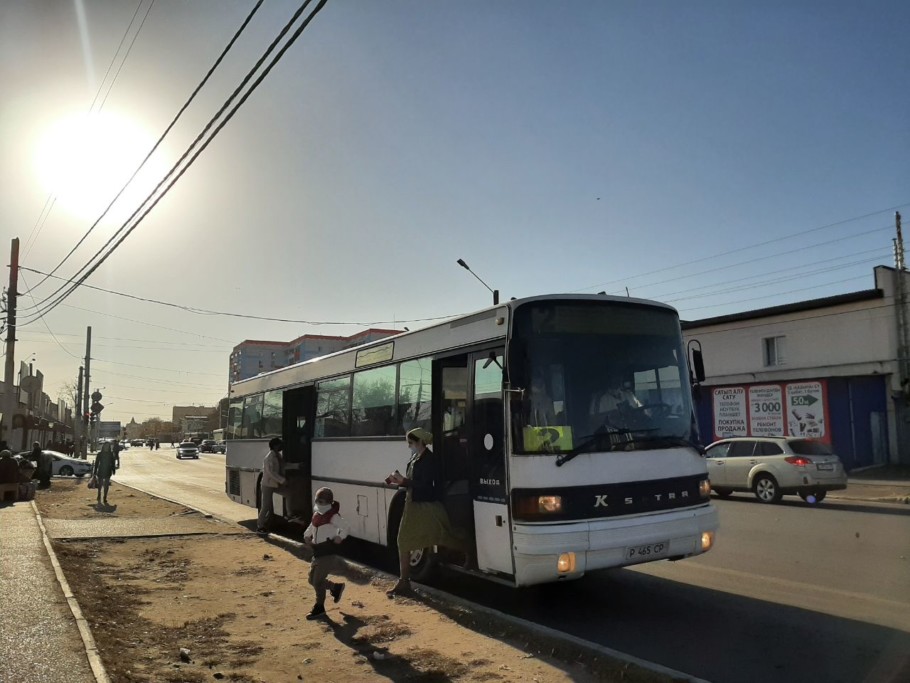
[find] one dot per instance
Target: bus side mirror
(697, 361)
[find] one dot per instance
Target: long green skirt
(424, 525)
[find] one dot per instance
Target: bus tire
(423, 562)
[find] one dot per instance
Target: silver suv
(772, 467)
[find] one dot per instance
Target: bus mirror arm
(516, 390)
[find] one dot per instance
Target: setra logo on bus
(601, 500)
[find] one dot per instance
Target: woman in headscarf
(424, 521)
(103, 469)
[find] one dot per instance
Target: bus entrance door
(297, 434)
(486, 455)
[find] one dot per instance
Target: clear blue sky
(684, 150)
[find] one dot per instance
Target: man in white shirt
(271, 480)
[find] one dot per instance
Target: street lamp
(494, 291)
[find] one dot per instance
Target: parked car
(187, 449)
(772, 467)
(63, 465)
(219, 447)
(207, 446)
(124, 445)
(137, 442)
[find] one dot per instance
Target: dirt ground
(237, 604)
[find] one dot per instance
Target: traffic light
(92, 418)
(85, 417)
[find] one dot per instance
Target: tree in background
(151, 428)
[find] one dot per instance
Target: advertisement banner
(806, 410)
(729, 412)
(778, 409)
(766, 416)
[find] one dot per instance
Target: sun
(85, 159)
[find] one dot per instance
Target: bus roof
(340, 362)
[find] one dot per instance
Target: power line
(802, 274)
(149, 367)
(759, 259)
(751, 246)
(170, 183)
(154, 380)
(143, 322)
(51, 198)
(57, 341)
(206, 311)
(167, 130)
(128, 49)
(768, 296)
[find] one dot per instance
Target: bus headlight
(549, 503)
(533, 507)
(566, 563)
(704, 488)
(707, 541)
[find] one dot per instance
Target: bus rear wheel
(423, 562)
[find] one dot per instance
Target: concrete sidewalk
(39, 634)
(875, 490)
(41, 627)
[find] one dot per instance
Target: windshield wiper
(614, 438)
(624, 439)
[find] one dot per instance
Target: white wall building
(825, 368)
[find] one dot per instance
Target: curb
(91, 650)
(543, 631)
(905, 500)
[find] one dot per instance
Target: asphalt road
(790, 592)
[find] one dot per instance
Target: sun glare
(85, 159)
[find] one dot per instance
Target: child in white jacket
(324, 534)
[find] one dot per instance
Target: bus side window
(333, 407)
(252, 417)
(414, 395)
(373, 408)
(453, 403)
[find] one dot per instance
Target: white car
(187, 450)
(64, 465)
(772, 467)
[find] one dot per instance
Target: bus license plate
(647, 552)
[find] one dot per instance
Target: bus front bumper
(559, 552)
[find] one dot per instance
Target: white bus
(564, 423)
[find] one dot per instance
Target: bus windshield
(598, 375)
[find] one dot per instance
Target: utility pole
(10, 399)
(78, 426)
(85, 403)
(900, 290)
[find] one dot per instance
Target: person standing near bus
(271, 480)
(324, 534)
(45, 463)
(424, 520)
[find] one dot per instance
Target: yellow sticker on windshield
(548, 439)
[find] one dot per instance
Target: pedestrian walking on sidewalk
(271, 480)
(103, 469)
(324, 535)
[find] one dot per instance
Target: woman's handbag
(93, 482)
